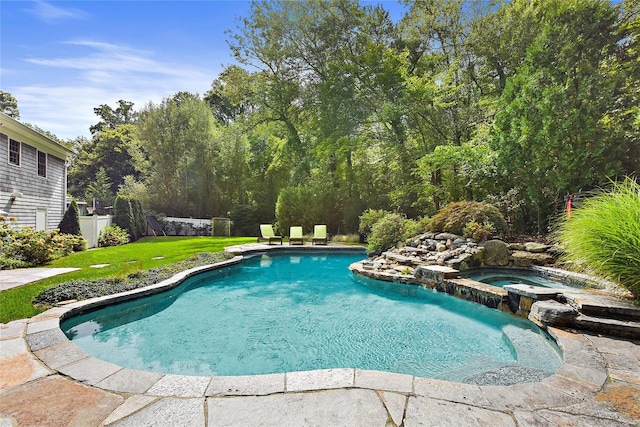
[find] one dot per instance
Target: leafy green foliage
(70, 223)
(306, 206)
(27, 247)
(603, 235)
(113, 236)
(369, 218)
(100, 187)
(515, 103)
(478, 232)
(128, 215)
(9, 105)
(552, 131)
(245, 220)
(123, 215)
(386, 233)
(454, 217)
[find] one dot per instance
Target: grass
(603, 235)
(16, 303)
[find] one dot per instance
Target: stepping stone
(99, 265)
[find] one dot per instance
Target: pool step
(603, 306)
(610, 311)
(608, 326)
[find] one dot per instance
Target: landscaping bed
(84, 289)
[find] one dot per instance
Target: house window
(42, 164)
(14, 152)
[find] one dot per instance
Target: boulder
(459, 242)
(517, 247)
(527, 259)
(445, 236)
(535, 247)
(552, 313)
(496, 253)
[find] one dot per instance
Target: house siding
(37, 192)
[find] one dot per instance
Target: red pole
(568, 207)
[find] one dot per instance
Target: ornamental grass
(602, 237)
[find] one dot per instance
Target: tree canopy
(332, 108)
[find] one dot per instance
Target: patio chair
(319, 234)
(266, 230)
(295, 235)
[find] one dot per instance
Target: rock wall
(450, 250)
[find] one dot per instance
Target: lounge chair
(319, 235)
(295, 235)
(267, 234)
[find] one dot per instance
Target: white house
(33, 175)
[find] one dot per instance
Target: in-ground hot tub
(500, 277)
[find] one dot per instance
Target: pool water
(273, 314)
(506, 276)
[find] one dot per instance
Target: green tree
(114, 146)
(550, 134)
(70, 223)
(112, 118)
(123, 216)
(100, 187)
(182, 141)
(9, 105)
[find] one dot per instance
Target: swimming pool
(296, 312)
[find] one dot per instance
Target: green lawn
(16, 303)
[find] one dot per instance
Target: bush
(70, 223)
(139, 221)
(78, 243)
(478, 232)
(12, 263)
(128, 215)
(369, 218)
(25, 247)
(386, 233)
(414, 228)
(123, 215)
(455, 216)
(113, 236)
(603, 235)
(38, 247)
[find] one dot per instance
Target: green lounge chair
(319, 234)
(295, 235)
(267, 234)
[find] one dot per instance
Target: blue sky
(60, 59)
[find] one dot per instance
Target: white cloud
(49, 13)
(103, 76)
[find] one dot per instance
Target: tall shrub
(123, 215)
(139, 222)
(245, 220)
(387, 232)
(307, 206)
(70, 223)
(454, 217)
(603, 235)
